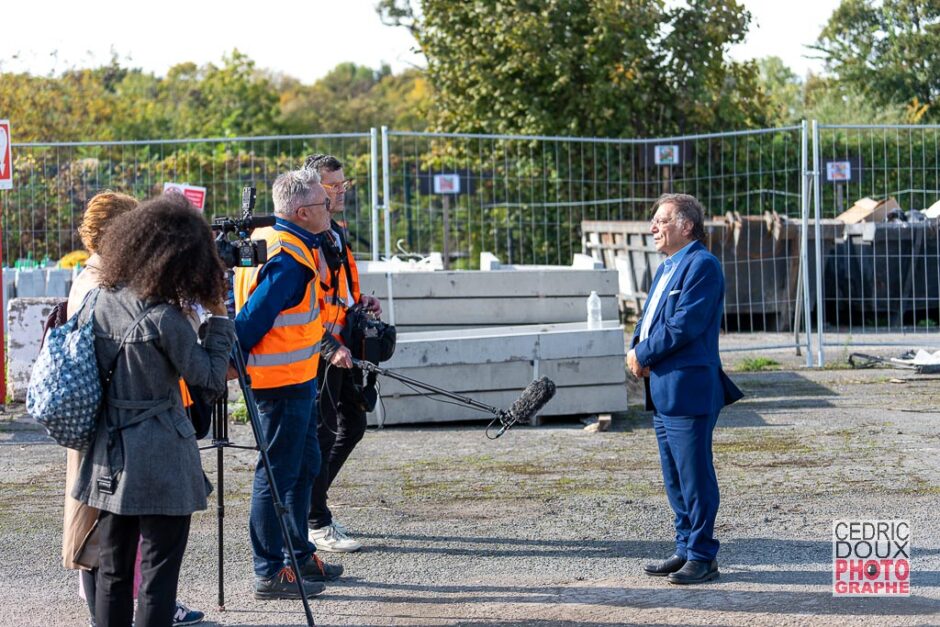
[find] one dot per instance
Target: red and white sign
(193, 193)
(446, 183)
(6, 156)
(871, 558)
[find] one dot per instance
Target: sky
(303, 39)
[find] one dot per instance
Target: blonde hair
(101, 209)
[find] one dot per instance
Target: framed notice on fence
(193, 193)
(838, 171)
(847, 169)
(667, 154)
(447, 183)
(6, 156)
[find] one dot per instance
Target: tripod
(220, 442)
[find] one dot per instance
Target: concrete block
(493, 366)
(471, 299)
(586, 262)
(457, 312)
(477, 284)
(58, 282)
(489, 261)
(25, 318)
(30, 283)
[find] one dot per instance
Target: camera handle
(220, 441)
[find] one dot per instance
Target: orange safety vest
(289, 353)
(335, 299)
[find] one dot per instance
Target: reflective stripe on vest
(289, 353)
(304, 317)
(282, 359)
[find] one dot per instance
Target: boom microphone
(533, 398)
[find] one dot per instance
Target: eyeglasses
(660, 222)
(342, 186)
(325, 203)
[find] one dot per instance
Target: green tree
(784, 90)
(888, 51)
(583, 67)
(354, 98)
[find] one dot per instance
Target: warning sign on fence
(6, 156)
(195, 194)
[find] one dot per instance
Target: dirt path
(551, 525)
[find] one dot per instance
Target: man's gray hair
(292, 190)
(688, 210)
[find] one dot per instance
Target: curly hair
(164, 252)
(101, 209)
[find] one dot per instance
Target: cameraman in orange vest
(342, 420)
(279, 329)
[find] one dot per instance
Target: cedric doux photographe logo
(871, 558)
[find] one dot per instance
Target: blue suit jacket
(681, 351)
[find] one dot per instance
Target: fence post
(817, 201)
(374, 171)
(386, 194)
(805, 182)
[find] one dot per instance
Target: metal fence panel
(526, 198)
(54, 181)
(882, 276)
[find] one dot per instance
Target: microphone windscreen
(533, 398)
(258, 222)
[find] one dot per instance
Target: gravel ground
(551, 525)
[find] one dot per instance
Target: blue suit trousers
(685, 452)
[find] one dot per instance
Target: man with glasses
(675, 352)
(279, 329)
(342, 417)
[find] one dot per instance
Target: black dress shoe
(661, 569)
(695, 572)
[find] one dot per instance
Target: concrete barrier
(30, 283)
(25, 318)
(494, 365)
(435, 301)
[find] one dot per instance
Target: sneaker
(283, 585)
(318, 570)
(343, 529)
(334, 540)
(185, 616)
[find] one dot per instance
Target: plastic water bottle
(594, 311)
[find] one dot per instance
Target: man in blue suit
(675, 351)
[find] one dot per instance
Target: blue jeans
(290, 430)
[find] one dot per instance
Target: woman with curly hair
(143, 471)
(79, 540)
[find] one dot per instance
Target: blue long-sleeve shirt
(282, 282)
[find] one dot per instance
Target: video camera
(242, 252)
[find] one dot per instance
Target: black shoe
(663, 568)
(318, 570)
(695, 572)
(283, 585)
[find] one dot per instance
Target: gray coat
(153, 450)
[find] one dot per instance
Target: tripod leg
(220, 435)
(282, 513)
